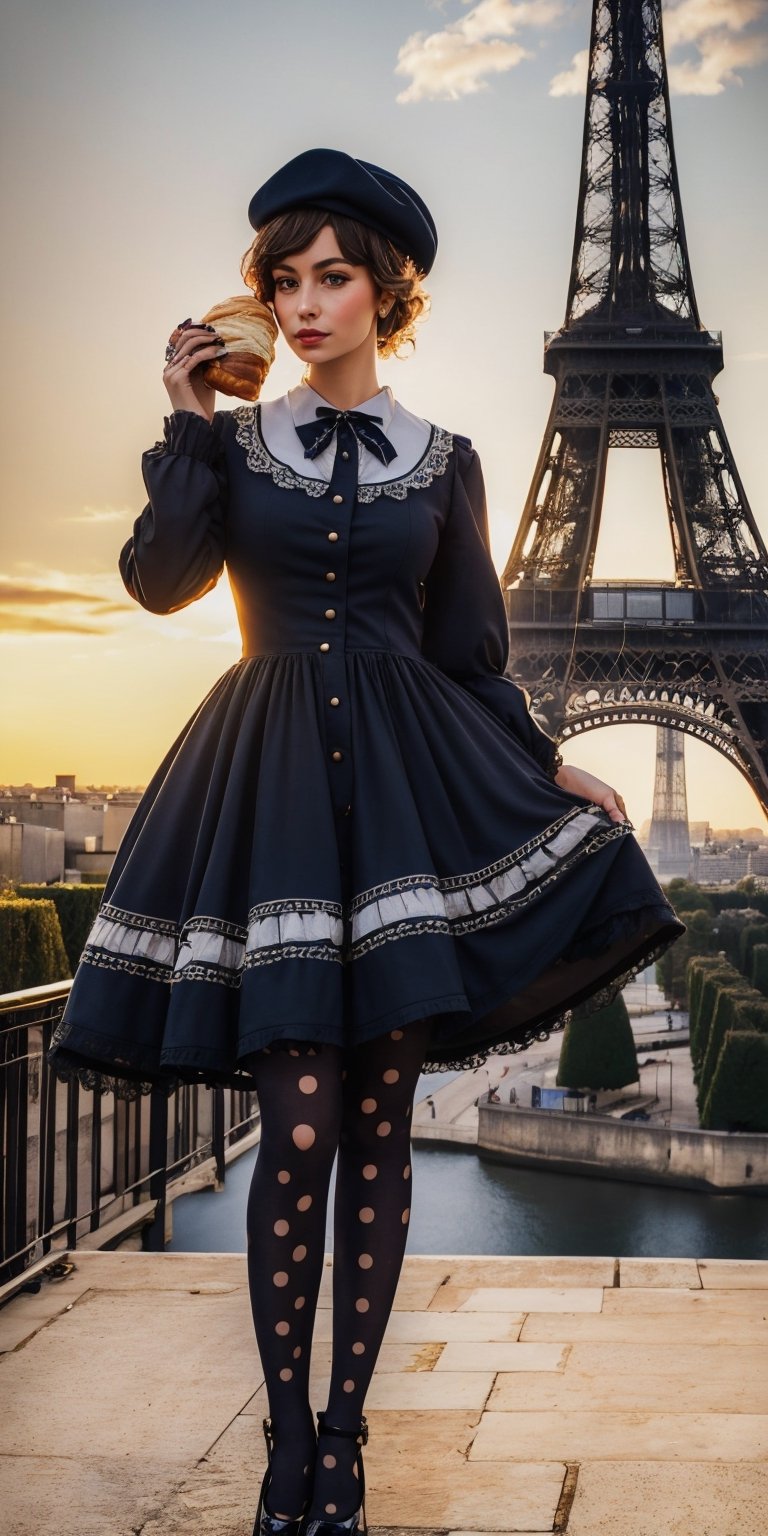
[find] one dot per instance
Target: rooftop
(587, 1396)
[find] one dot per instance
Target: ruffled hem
(135, 1079)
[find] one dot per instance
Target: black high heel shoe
(266, 1524)
(352, 1525)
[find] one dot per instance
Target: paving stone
(663, 1315)
(702, 1377)
(121, 1369)
(535, 1299)
(661, 1499)
(666, 1273)
(417, 1476)
(502, 1357)
(734, 1274)
(83, 1495)
(430, 1389)
(130, 1270)
(528, 1270)
(582, 1436)
(453, 1326)
(467, 1276)
(28, 1311)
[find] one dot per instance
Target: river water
(463, 1204)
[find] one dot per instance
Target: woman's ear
(386, 300)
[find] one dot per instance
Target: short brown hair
(390, 269)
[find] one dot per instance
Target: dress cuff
(187, 432)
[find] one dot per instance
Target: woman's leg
(300, 1102)
(371, 1218)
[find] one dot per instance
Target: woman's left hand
(578, 782)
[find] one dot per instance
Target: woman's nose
(307, 304)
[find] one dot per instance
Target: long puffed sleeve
(466, 631)
(176, 552)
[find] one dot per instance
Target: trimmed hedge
(31, 946)
(738, 1099)
(759, 975)
(706, 973)
(598, 1049)
(736, 1008)
(754, 933)
(76, 905)
(672, 968)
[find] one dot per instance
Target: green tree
(760, 968)
(754, 933)
(686, 896)
(700, 1014)
(76, 905)
(31, 947)
(738, 1098)
(737, 1006)
(672, 968)
(598, 1049)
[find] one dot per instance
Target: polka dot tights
(316, 1101)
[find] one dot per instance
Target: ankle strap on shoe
(360, 1434)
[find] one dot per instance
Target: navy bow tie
(316, 435)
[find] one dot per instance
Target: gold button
(330, 575)
(333, 537)
(338, 500)
(334, 701)
(325, 646)
(330, 613)
(337, 756)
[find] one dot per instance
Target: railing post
(153, 1234)
(70, 1160)
(217, 1135)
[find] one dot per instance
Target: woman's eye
(340, 277)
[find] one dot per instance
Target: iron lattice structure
(669, 841)
(633, 367)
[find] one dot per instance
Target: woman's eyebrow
(330, 261)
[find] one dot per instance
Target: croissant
(248, 327)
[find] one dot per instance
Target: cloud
(572, 81)
(456, 62)
(100, 515)
(29, 606)
(37, 624)
(720, 58)
(688, 20)
(716, 32)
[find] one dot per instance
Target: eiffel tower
(633, 367)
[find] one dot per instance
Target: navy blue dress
(358, 826)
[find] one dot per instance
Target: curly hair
(391, 270)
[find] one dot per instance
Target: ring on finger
(170, 353)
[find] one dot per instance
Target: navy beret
(328, 178)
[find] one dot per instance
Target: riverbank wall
(717, 1161)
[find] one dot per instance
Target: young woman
(361, 856)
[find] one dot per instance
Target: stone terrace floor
(597, 1397)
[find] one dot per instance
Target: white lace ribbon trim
(465, 903)
(211, 949)
(248, 434)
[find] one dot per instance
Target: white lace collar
(248, 433)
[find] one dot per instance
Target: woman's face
(317, 290)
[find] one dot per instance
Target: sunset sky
(134, 137)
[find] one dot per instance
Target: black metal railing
(77, 1162)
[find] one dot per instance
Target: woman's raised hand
(187, 389)
(578, 782)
